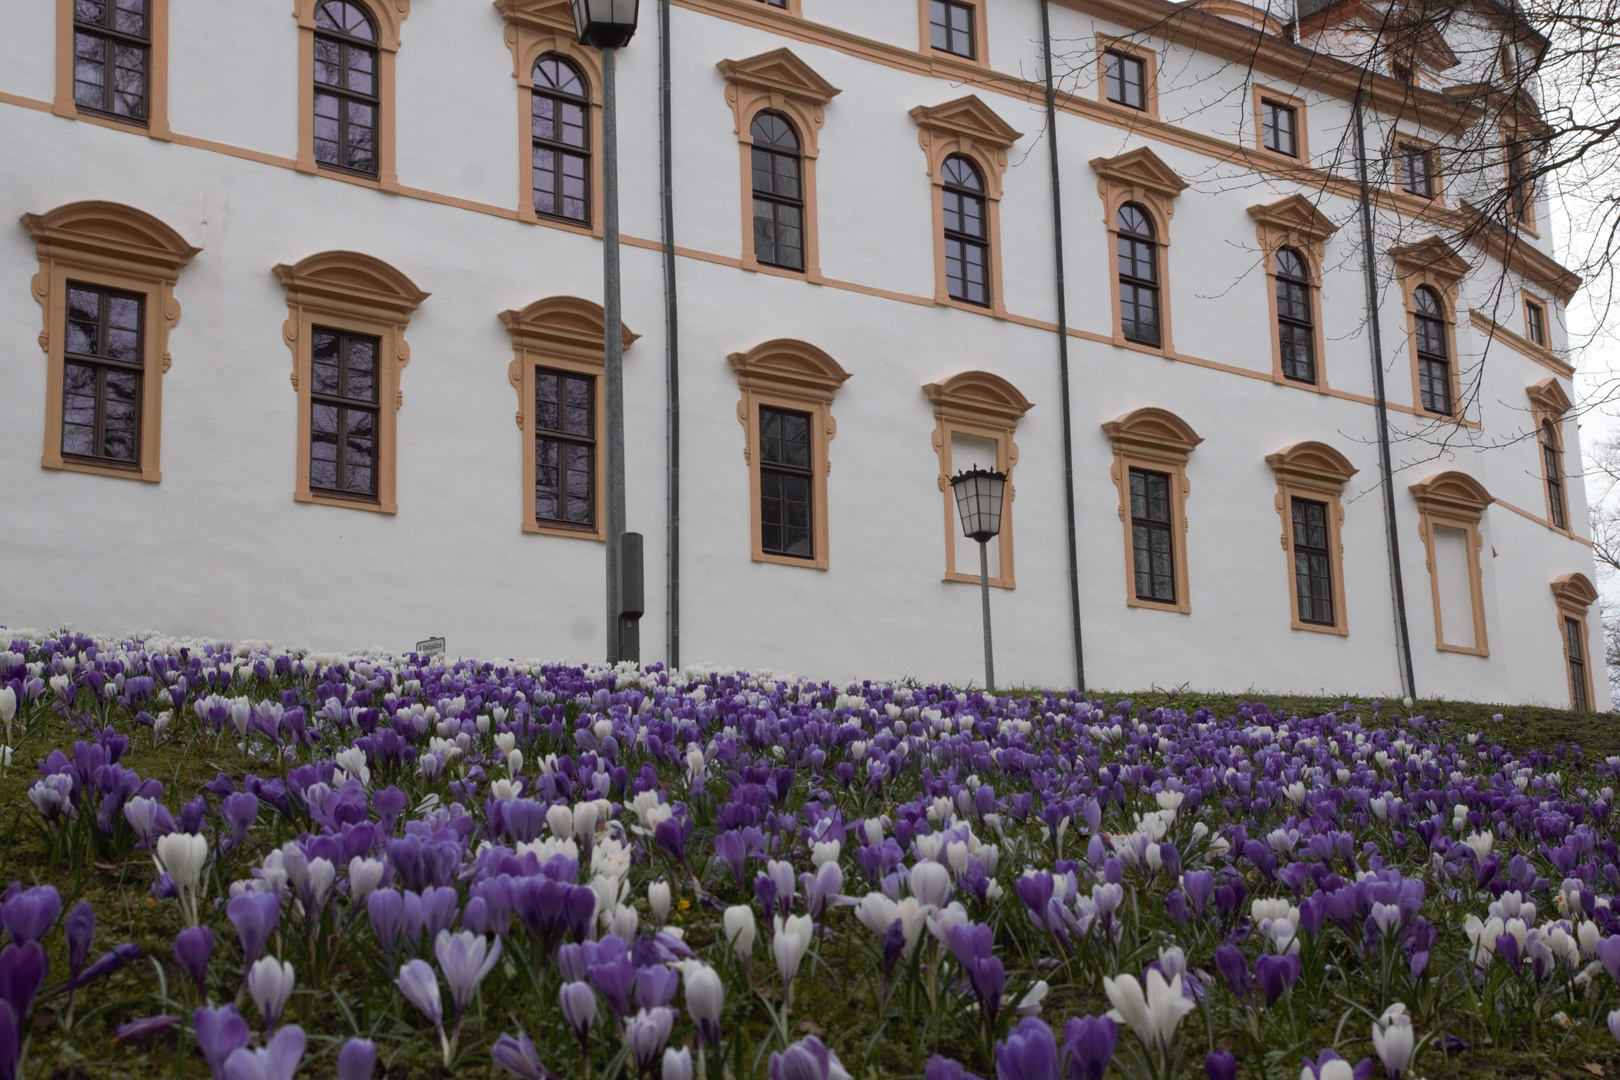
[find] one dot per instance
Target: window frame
(778, 81)
(1455, 500)
(772, 152)
(563, 333)
(1434, 263)
(797, 376)
(103, 364)
(1295, 222)
(1154, 440)
(1261, 96)
(156, 123)
(961, 237)
(345, 404)
(787, 7)
(1518, 157)
(1122, 280)
(1535, 310)
(966, 127)
(985, 406)
(1573, 597)
(1407, 146)
(1141, 177)
(783, 469)
(981, 41)
(1314, 472)
(1286, 137)
(387, 18)
(1421, 317)
(1150, 75)
(107, 245)
(358, 294)
(535, 29)
(345, 95)
(1550, 405)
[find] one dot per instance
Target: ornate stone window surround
(103, 243)
(1314, 471)
(1434, 263)
(1574, 595)
(988, 407)
(535, 28)
(564, 333)
(1549, 405)
(1294, 223)
(778, 81)
(1150, 75)
(388, 15)
(925, 39)
(1458, 501)
(966, 126)
(345, 290)
(1159, 441)
(794, 375)
(156, 123)
(1139, 176)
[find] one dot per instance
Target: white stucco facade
(219, 545)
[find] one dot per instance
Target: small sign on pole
(433, 646)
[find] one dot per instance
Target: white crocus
(741, 929)
(1393, 1040)
(1153, 1014)
(790, 942)
(658, 898)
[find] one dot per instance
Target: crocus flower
(1392, 1039)
(705, 995)
(220, 1032)
(1614, 1024)
(677, 1064)
(943, 1068)
(973, 946)
(518, 1057)
(1153, 1015)
(22, 971)
(1330, 1066)
(790, 942)
(578, 1003)
(646, 1032)
(465, 958)
(807, 1059)
(80, 930)
(1220, 1065)
(30, 914)
(276, 1061)
(1029, 1053)
(357, 1060)
(740, 929)
(255, 916)
(270, 984)
(182, 856)
(421, 988)
(145, 1028)
(1229, 961)
(1088, 1046)
(193, 947)
(1276, 975)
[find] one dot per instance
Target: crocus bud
(357, 1060)
(740, 929)
(677, 1063)
(658, 898)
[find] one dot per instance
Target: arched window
(967, 247)
(1138, 276)
(346, 102)
(562, 141)
(1295, 333)
(1434, 366)
(1553, 461)
(778, 193)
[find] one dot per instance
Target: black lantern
(605, 24)
(978, 499)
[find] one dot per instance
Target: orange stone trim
(156, 123)
(388, 15)
(1160, 441)
(1458, 501)
(1434, 263)
(1294, 222)
(989, 407)
(1574, 594)
(1315, 471)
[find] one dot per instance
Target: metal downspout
(672, 354)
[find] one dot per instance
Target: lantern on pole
(605, 24)
(980, 495)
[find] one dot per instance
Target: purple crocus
(80, 930)
(220, 1033)
(578, 1003)
(30, 914)
(1088, 1046)
(255, 916)
(1324, 1069)
(973, 945)
(1276, 975)
(357, 1060)
(1220, 1065)
(1234, 969)
(276, 1061)
(518, 1057)
(808, 1059)
(22, 972)
(421, 988)
(465, 958)
(944, 1068)
(645, 1034)
(193, 947)
(145, 1028)
(1029, 1053)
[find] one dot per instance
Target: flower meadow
(257, 864)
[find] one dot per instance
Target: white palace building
(301, 338)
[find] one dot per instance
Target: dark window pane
(1126, 79)
(950, 27)
(785, 482)
(565, 451)
(1152, 550)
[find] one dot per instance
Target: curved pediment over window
(793, 368)
(1574, 591)
(1312, 464)
(565, 322)
(1452, 493)
(121, 235)
(978, 397)
(348, 278)
(1153, 433)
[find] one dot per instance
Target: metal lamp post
(979, 493)
(609, 25)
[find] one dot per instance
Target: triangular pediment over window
(1433, 256)
(781, 72)
(539, 14)
(969, 118)
(1295, 216)
(1549, 397)
(1140, 168)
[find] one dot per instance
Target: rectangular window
(785, 483)
(1126, 78)
(1313, 566)
(1279, 127)
(1520, 187)
(564, 448)
(950, 28)
(1535, 322)
(111, 56)
(1417, 171)
(102, 370)
(1152, 543)
(1575, 648)
(1454, 590)
(343, 413)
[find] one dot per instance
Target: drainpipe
(1063, 352)
(1369, 258)
(672, 354)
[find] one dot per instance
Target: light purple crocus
(255, 916)
(193, 947)
(646, 1033)
(1029, 1053)
(220, 1033)
(145, 1028)
(357, 1060)
(578, 1003)
(276, 1061)
(811, 1059)
(465, 958)
(421, 988)
(518, 1057)
(80, 930)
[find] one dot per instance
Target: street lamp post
(979, 494)
(609, 25)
